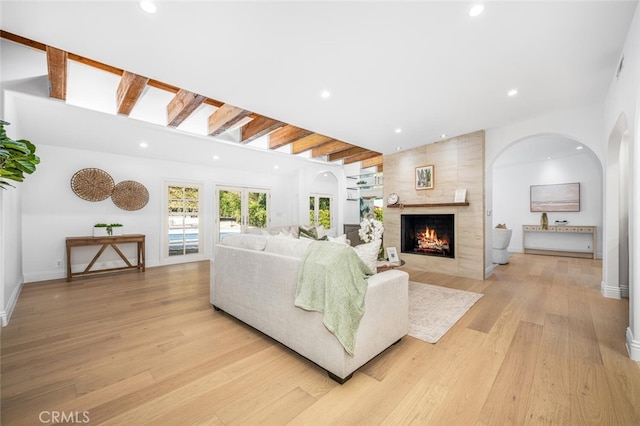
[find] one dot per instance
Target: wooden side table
(113, 241)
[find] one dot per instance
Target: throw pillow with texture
(311, 233)
(369, 254)
(341, 239)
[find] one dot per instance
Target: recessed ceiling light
(398, 148)
(325, 94)
(476, 10)
(549, 158)
(215, 157)
(276, 167)
(444, 135)
(398, 130)
(148, 6)
(143, 144)
(579, 147)
(512, 92)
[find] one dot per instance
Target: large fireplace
(428, 234)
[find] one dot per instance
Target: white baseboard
(489, 270)
(613, 292)
(5, 315)
(633, 346)
(45, 276)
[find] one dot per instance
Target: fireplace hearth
(428, 234)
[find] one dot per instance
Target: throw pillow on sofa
(311, 233)
(341, 239)
(369, 254)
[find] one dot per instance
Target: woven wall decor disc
(130, 195)
(92, 184)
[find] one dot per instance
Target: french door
(320, 210)
(239, 209)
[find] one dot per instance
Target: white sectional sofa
(254, 278)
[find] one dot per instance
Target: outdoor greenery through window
(183, 220)
(240, 209)
(320, 210)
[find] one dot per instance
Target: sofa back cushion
(287, 246)
(246, 241)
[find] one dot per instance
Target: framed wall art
(424, 177)
(562, 197)
(392, 254)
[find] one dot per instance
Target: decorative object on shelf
(103, 229)
(370, 229)
(392, 199)
(92, 184)
(544, 221)
(361, 182)
(130, 195)
(424, 177)
(392, 254)
(563, 197)
(16, 158)
(460, 196)
(561, 222)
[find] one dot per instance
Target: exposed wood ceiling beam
(57, 70)
(129, 91)
(308, 142)
(360, 157)
(370, 162)
(23, 40)
(380, 168)
(330, 148)
(224, 118)
(183, 104)
(259, 127)
(345, 153)
(286, 135)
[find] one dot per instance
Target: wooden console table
(589, 253)
(112, 241)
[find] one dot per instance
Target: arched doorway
(323, 194)
(615, 282)
(543, 159)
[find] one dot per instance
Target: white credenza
(572, 241)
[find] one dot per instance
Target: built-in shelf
(367, 186)
(400, 206)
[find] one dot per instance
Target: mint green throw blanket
(332, 280)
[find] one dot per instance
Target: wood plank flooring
(541, 347)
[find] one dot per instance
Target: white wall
(51, 211)
(511, 186)
(622, 122)
(11, 278)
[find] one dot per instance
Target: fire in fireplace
(428, 234)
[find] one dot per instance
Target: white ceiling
(426, 67)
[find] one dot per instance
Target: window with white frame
(183, 219)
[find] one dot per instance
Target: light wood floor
(541, 347)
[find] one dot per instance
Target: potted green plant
(103, 229)
(16, 158)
